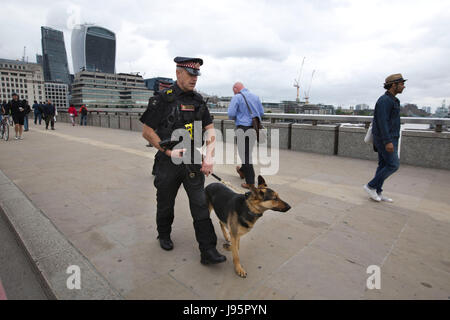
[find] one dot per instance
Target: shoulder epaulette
(167, 94)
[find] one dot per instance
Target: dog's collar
(254, 215)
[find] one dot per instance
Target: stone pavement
(95, 186)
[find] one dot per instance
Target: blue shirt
(238, 109)
(386, 118)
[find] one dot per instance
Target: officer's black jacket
(171, 109)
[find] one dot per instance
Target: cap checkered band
(193, 65)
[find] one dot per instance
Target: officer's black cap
(191, 65)
(14, 94)
(186, 59)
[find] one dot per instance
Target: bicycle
(4, 128)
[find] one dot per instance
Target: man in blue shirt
(37, 112)
(386, 133)
(243, 107)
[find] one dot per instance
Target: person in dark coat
(386, 134)
(49, 114)
(27, 111)
(17, 109)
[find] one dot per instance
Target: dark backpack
(84, 111)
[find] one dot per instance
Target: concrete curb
(49, 250)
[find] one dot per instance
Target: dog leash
(225, 183)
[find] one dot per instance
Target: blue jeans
(36, 117)
(25, 122)
(83, 119)
(388, 163)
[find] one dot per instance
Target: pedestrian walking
(26, 112)
(72, 113)
(386, 133)
(49, 115)
(37, 112)
(243, 107)
(17, 109)
(178, 107)
(83, 113)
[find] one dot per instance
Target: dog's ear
(261, 182)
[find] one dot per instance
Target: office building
(25, 79)
(93, 49)
(58, 93)
(107, 90)
(54, 56)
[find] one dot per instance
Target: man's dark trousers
(168, 180)
(245, 153)
(49, 119)
(388, 163)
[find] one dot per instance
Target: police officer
(171, 109)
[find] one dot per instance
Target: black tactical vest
(180, 108)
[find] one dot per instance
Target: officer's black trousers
(168, 179)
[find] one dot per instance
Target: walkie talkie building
(93, 49)
(54, 57)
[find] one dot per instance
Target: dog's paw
(241, 272)
(227, 246)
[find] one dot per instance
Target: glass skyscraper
(54, 56)
(93, 49)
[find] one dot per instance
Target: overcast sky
(352, 45)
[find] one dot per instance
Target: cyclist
(4, 125)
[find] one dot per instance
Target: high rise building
(93, 49)
(54, 56)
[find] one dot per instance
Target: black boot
(166, 243)
(212, 256)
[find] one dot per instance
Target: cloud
(353, 45)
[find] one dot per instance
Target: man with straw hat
(386, 133)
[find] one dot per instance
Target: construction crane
(297, 81)
(24, 52)
(309, 88)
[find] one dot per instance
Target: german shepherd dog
(238, 212)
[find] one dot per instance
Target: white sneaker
(383, 198)
(20, 138)
(372, 193)
(16, 138)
